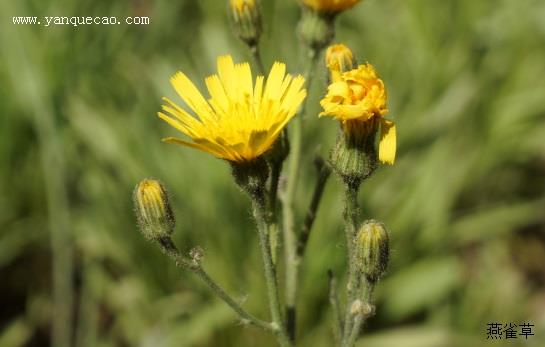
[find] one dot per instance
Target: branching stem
(170, 249)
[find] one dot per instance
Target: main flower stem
(290, 240)
(351, 218)
(263, 226)
(170, 249)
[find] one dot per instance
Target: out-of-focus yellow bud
(246, 18)
(153, 212)
(374, 249)
(329, 6)
(339, 59)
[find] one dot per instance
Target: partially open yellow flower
(330, 6)
(240, 121)
(358, 100)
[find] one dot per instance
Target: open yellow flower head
(357, 97)
(329, 6)
(338, 58)
(240, 120)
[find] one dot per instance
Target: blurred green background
(464, 203)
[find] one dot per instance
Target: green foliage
(464, 202)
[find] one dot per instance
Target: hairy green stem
(290, 246)
(351, 218)
(170, 249)
(360, 317)
(355, 331)
(263, 225)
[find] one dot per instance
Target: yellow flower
(338, 58)
(358, 100)
(240, 121)
(330, 6)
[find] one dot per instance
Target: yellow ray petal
(258, 91)
(217, 93)
(191, 95)
(387, 142)
(274, 81)
(204, 148)
(173, 123)
(291, 100)
(244, 77)
(226, 72)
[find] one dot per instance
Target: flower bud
(153, 212)
(374, 249)
(246, 18)
(316, 30)
(339, 59)
(354, 156)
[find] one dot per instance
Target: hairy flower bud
(374, 249)
(354, 156)
(246, 18)
(153, 212)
